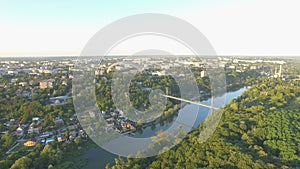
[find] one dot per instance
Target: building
(12, 72)
(19, 131)
(49, 140)
(72, 127)
(14, 80)
(278, 73)
(253, 67)
(61, 138)
(92, 114)
(26, 93)
(59, 122)
(35, 119)
(203, 74)
(159, 73)
(46, 84)
(36, 130)
(231, 67)
(23, 84)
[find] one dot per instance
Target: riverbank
(98, 157)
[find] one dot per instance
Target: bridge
(192, 102)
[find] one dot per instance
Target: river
(98, 157)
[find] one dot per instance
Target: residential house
(203, 73)
(58, 121)
(44, 84)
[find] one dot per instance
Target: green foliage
(7, 140)
(250, 134)
(22, 163)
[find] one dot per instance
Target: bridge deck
(188, 101)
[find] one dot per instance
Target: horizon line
(119, 55)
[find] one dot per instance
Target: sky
(233, 27)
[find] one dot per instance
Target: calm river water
(98, 157)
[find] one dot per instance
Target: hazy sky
(62, 27)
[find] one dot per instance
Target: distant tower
(280, 71)
(278, 74)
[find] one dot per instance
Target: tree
(22, 163)
(1, 127)
(249, 135)
(136, 166)
(78, 141)
(8, 140)
(52, 156)
(5, 163)
(67, 134)
(120, 164)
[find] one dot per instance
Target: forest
(260, 129)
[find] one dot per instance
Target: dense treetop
(260, 129)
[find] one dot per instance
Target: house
(64, 83)
(159, 73)
(92, 114)
(110, 121)
(203, 74)
(26, 93)
(35, 119)
(36, 130)
(48, 140)
(44, 84)
(58, 122)
(132, 128)
(58, 100)
(253, 67)
(61, 138)
(46, 134)
(222, 65)
(72, 127)
(82, 133)
(14, 80)
(18, 132)
(127, 125)
(10, 123)
(73, 135)
(103, 113)
(99, 72)
(23, 84)
(36, 124)
(47, 70)
(12, 72)
(114, 113)
(231, 67)
(124, 124)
